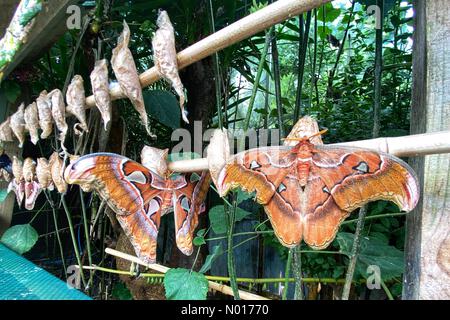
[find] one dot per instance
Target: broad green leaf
(198, 241)
(373, 252)
(241, 214)
(216, 251)
(12, 90)
(3, 195)
(219, 220)
(329, 11)
(201, 232)
(182, 284)
(242, 196)
(163, 106)
(20, 238)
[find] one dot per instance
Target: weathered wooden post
(427, 273)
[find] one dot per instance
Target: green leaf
(330, 12)
(121, 292)
(216, 251)
(241, 214)
(12, 90)
(20, 238)
(242, 196)
(3, 195)
(218, 219)
(373, 252)
(182, 284)
(198, 241)
(201, 232)
(163, 106)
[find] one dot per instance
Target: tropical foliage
(321, 64)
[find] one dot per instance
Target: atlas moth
(140, 194)
(307, 189)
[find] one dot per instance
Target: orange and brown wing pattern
(355, 177)
(127, 188)
(259, 170)
(284, 211)
(321, 215)
(188, 203)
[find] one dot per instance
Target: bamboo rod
(212, 285)
(244, 28)
(406, 146)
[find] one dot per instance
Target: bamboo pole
(157, 267)
(406, 146)
(244, 28)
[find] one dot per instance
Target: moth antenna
(320, 133)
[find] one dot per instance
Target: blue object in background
(21, 279)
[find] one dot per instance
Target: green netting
(20, 279)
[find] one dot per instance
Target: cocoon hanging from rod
(44, 106)
(100, 88)
(76, 104)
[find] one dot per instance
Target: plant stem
(55, 222)
(378, 73)
(74, 241)
(376, 216)
(86, 234)
(386, 290)
(277, 82)
(221, 278)
(242, 234)
(262, 60)
(341, 48)
(230, 257)
(216, 69)
(304, 37)
(298, 294)
(354, 253)
(287, 271)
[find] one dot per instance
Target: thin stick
(212, 285)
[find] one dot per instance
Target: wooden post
(427, 273)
